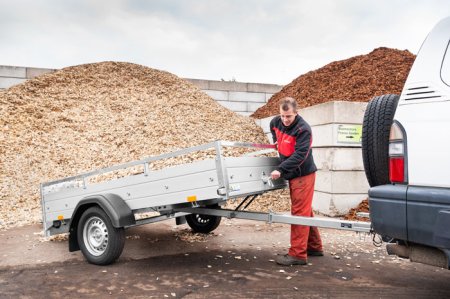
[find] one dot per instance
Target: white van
(406, 154)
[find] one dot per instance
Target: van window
(445, 69)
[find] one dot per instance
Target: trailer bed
(213, 180)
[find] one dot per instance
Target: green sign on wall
(349, 134)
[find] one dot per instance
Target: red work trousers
(303, 238)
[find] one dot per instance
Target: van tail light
(397, 154)
(396, 170)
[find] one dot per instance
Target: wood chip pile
(383, 71)
(96, 115)
(362, 207)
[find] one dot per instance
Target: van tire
(377, 124)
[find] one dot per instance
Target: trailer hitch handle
(267, 180)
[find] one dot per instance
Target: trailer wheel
(100, 242)
(378, 119)
(203, 223)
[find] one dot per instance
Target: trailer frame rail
(271, 217)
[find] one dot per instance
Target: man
(293, 137)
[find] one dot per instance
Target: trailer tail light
(397, 154)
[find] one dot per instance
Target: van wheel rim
(95, 236)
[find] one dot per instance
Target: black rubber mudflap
(375, 138)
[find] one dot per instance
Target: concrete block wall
(243, 98)
(12, 75)
(340, 180)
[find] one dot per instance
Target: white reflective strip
(396, 149)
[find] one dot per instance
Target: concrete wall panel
(217, 95)
(334, 112)
(263, 88)
(9, 82)
(268, 96)
(338, 158)
(349, 182)
(12, 71)
(227, 85)
(202, 84)
(234, 106)
(239, 96)
(34, 72)
(244, 113)
(265, 124)
(252, 107)
(327, 136)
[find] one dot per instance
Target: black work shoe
(287, 260)
(315, 253)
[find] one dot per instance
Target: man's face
(288, 116)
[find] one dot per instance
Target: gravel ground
(235, 261)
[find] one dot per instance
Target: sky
(248, 40)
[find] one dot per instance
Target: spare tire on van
(378, 119)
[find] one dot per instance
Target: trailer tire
(100, 242)
(203, 223)
(377, 123)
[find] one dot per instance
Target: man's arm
(274, 174)
(272, 131)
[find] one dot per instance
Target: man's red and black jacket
(294, 146)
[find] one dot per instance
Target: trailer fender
(113, 205)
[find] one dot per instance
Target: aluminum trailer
(96, 214)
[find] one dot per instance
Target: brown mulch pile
(382, 71)
(97, 115)
(362, 207)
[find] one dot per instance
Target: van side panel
(428, 148)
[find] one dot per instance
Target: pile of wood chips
(97, 115)
(383, 71)
(362, 207)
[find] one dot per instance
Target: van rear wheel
(378, 119)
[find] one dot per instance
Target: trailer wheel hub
(95, 235)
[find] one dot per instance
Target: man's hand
(275, 175)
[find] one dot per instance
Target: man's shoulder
(275, 121)
(302, 125)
